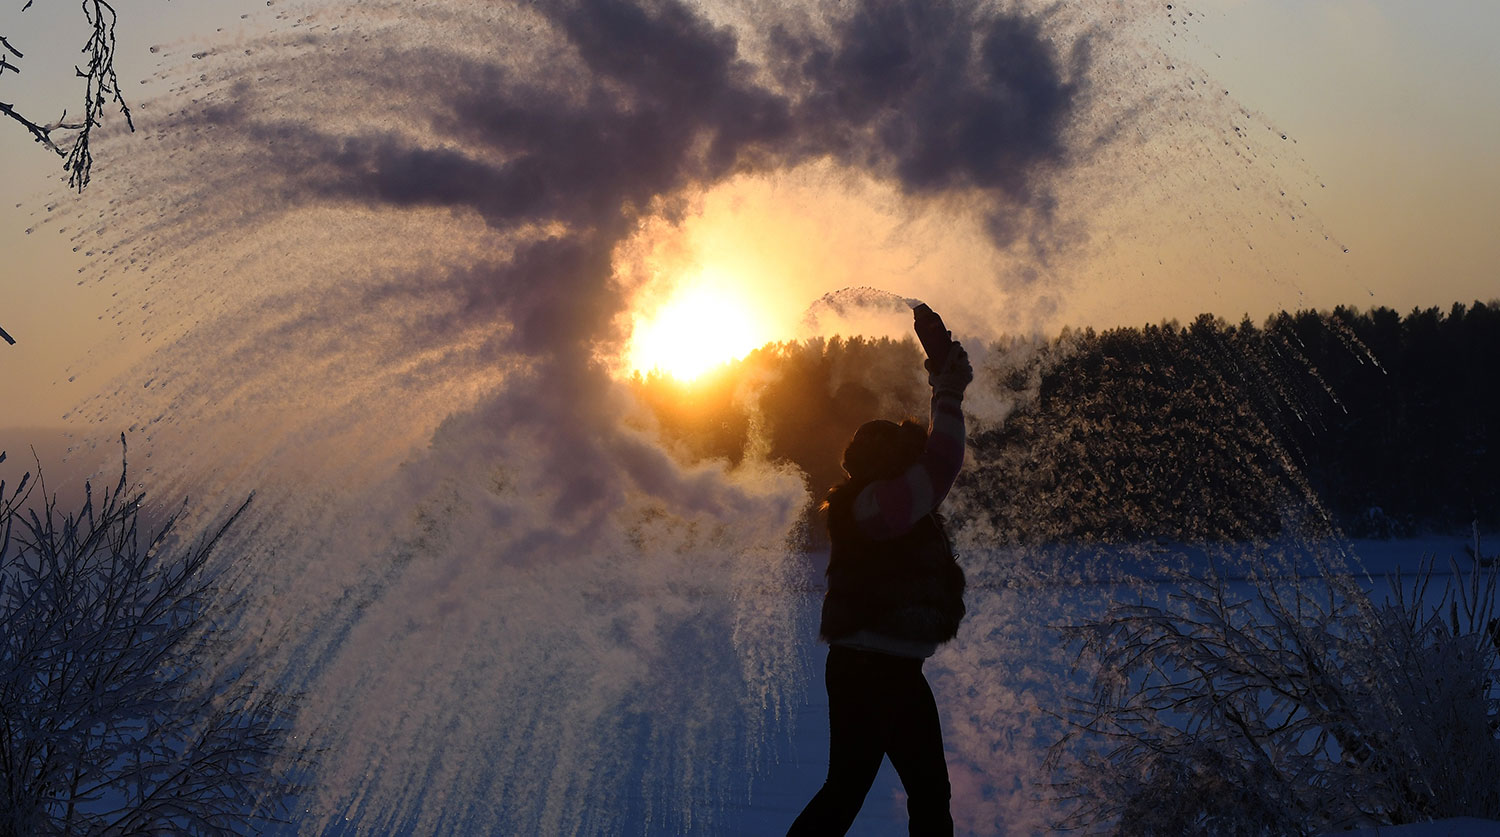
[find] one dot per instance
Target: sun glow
(704, 324)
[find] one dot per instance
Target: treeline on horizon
(1368, 423)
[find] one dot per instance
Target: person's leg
(915, 745)
(854, 748)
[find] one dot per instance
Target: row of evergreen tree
(1366, 422)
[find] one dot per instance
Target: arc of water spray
(862, 296)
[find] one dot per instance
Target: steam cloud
(373, 254)
(638, 105)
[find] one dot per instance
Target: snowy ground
(993, 687)
(778, 797)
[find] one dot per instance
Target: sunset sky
(1390, 109)
(388, 267)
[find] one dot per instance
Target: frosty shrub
(1271, 706)
(118, 711)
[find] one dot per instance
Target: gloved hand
(955, 375)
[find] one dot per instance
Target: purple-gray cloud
(541, 558)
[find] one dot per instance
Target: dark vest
(908, 587)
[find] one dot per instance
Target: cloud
(944, 98)
(621, 110)
(364, 235)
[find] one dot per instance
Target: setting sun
(702, 325)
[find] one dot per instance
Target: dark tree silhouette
(119, 712)
(1377, 424)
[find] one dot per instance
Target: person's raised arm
(887, 508)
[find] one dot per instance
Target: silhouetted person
(894, 594)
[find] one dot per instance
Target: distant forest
(1369, 423)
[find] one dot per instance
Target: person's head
(884, 449)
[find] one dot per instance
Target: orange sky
(1389, 108)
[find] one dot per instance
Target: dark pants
(879, 705)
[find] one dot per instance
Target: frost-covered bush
(118, 711)
(1294, 706)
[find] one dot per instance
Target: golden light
(705, 323)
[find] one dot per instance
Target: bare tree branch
(101, 89)
(120, 712)
(1295, 707)
(42, 133)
